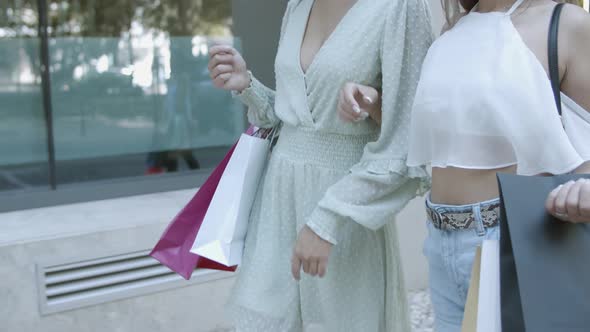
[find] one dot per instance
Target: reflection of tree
(84, 32)
(18, 18)
(183, 18)
(187, 17)
(179, 20)
(113, 17)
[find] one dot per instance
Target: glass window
(130, 87)
(23, 146)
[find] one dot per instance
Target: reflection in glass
(23, 148)
(130, 87)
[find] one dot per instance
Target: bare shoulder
(575, 34)
(448, 26)
(575, 22)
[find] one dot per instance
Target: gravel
(421, 312)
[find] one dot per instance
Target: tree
(18, 18)
(111, 18)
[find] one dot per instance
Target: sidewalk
(421, 312)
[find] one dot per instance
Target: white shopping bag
(488, 310)
(482, 310)
(222, 233)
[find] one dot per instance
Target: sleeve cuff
(252, 95)
(326, 224)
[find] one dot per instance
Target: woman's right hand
(570, 202)
(228, 69)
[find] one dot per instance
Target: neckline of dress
(326, 42)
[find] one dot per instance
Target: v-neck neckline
(325, 43)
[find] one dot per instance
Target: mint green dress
(346, 181)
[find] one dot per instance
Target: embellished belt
(463, 217)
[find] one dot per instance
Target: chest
(490, 53)
(348, 49)
(324, 18)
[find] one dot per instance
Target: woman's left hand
(571, 202)
(311, 253)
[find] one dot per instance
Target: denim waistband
(479, 215)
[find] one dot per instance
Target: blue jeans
(450, 256)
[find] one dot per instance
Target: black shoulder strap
(554, 55)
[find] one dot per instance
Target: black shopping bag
(544, 263)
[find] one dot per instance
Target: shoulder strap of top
(514, 7)
(554, 55)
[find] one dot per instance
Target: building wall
(33, 239)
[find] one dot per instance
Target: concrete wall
(88, 231)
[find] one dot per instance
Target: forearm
(369, 198)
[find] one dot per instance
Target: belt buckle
(436, 218)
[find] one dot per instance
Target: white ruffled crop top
(484, 101)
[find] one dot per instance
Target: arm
(576, 79)
(571, 202)
(380, 185)
(229, 71)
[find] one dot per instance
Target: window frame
(16, 200)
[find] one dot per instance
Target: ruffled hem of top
(398, 166)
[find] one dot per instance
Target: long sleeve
(260, 99)
(381, 184)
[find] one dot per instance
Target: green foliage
(18, 18)
(111, 18)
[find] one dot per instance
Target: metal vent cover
(71, 286)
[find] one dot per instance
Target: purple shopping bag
(173, 249)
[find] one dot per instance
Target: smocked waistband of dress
(324, 149)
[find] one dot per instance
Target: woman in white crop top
(485, 105)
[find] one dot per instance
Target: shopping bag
(223, 231)
(482, 310)
(471, 306)
(544, 263)
(173, 248)
(488, 308)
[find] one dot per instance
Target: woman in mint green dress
(332, 188)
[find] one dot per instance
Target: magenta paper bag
(173, 249)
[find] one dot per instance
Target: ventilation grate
(71, 286)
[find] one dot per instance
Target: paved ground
(421, 312)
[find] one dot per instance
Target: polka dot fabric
(346, 181)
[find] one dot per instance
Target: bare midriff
(460, 186)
